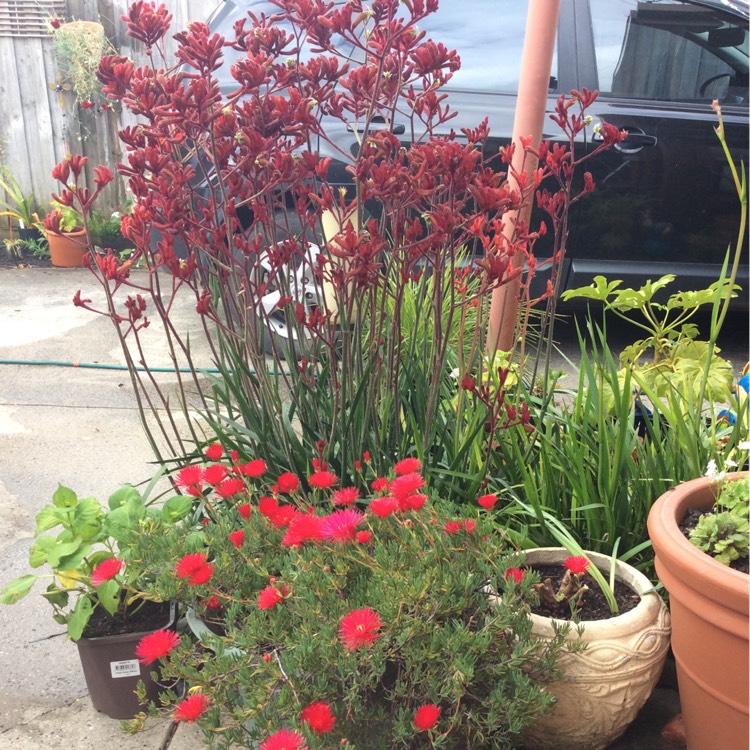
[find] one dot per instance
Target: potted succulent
(708, 599)
(367, 617)
(96, 587)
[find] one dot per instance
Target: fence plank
(35, 132)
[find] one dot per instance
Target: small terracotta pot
(709, 606)
(605, 686)
(67, 250)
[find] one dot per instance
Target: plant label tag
(129, 668)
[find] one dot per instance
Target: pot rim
(650, 603)
(663, 527)
(120, 637)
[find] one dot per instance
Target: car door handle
(635, 140)
(375, 121)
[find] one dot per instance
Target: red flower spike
(487, 502)
(514, 575)
(288, 483)
(345, 496)
(452, 527)
(106, 570)
(341, 525)
(245, 510)
(470, 525)
(254, 468)
(215, 474)
(407, 466)
(195, 568)
(191, 708)
(359, 628)
(363, 537)
(284, 739)
(214, 452)
(413, 502)
(156, 645)
(382, 507)
(379, 485)
(269, 598)
(213, 602)
(190, 479)
(229, 487)
(303, 528)
(322, 479)
(319, 717)
(576, 564)
(426, 717)
(406, 485)
(268, 505)
(237, 538)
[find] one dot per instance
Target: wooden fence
(38, 125)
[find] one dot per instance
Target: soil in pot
(150, 616)
(690, 521)
(593, 605)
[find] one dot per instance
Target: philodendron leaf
(47, 518)
(79, 617)
(109, 595)
(122, 496)
(87, 519)
(17, 589)
(64, 497)
(176, 508)
(39, 550)
(599, 290)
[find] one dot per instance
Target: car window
(488, 35)
(669, 51)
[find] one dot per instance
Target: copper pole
(533, 90)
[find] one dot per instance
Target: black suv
(665, 201)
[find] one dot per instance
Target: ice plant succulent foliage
(231, 168)
(385, 636)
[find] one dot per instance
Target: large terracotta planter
(67, 250)
(605, 686)
(709, 606)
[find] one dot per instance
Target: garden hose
(140, 368)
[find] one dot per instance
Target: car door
(665, 201)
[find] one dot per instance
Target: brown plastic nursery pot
(709, 606)
(112, 672)
(67, 250)
(604, 686)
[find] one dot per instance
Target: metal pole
(533, 89)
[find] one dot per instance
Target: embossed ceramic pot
(709, 603)
(604, 686)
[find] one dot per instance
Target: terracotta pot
(67, 250)
(709, 606)
(112, 672)
(605, 686)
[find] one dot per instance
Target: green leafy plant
(16, 204)
(63, 218)
(677, 359)
(104, 229)
(79, 45)
(724, 531)
(378, 616)
(90, 557)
